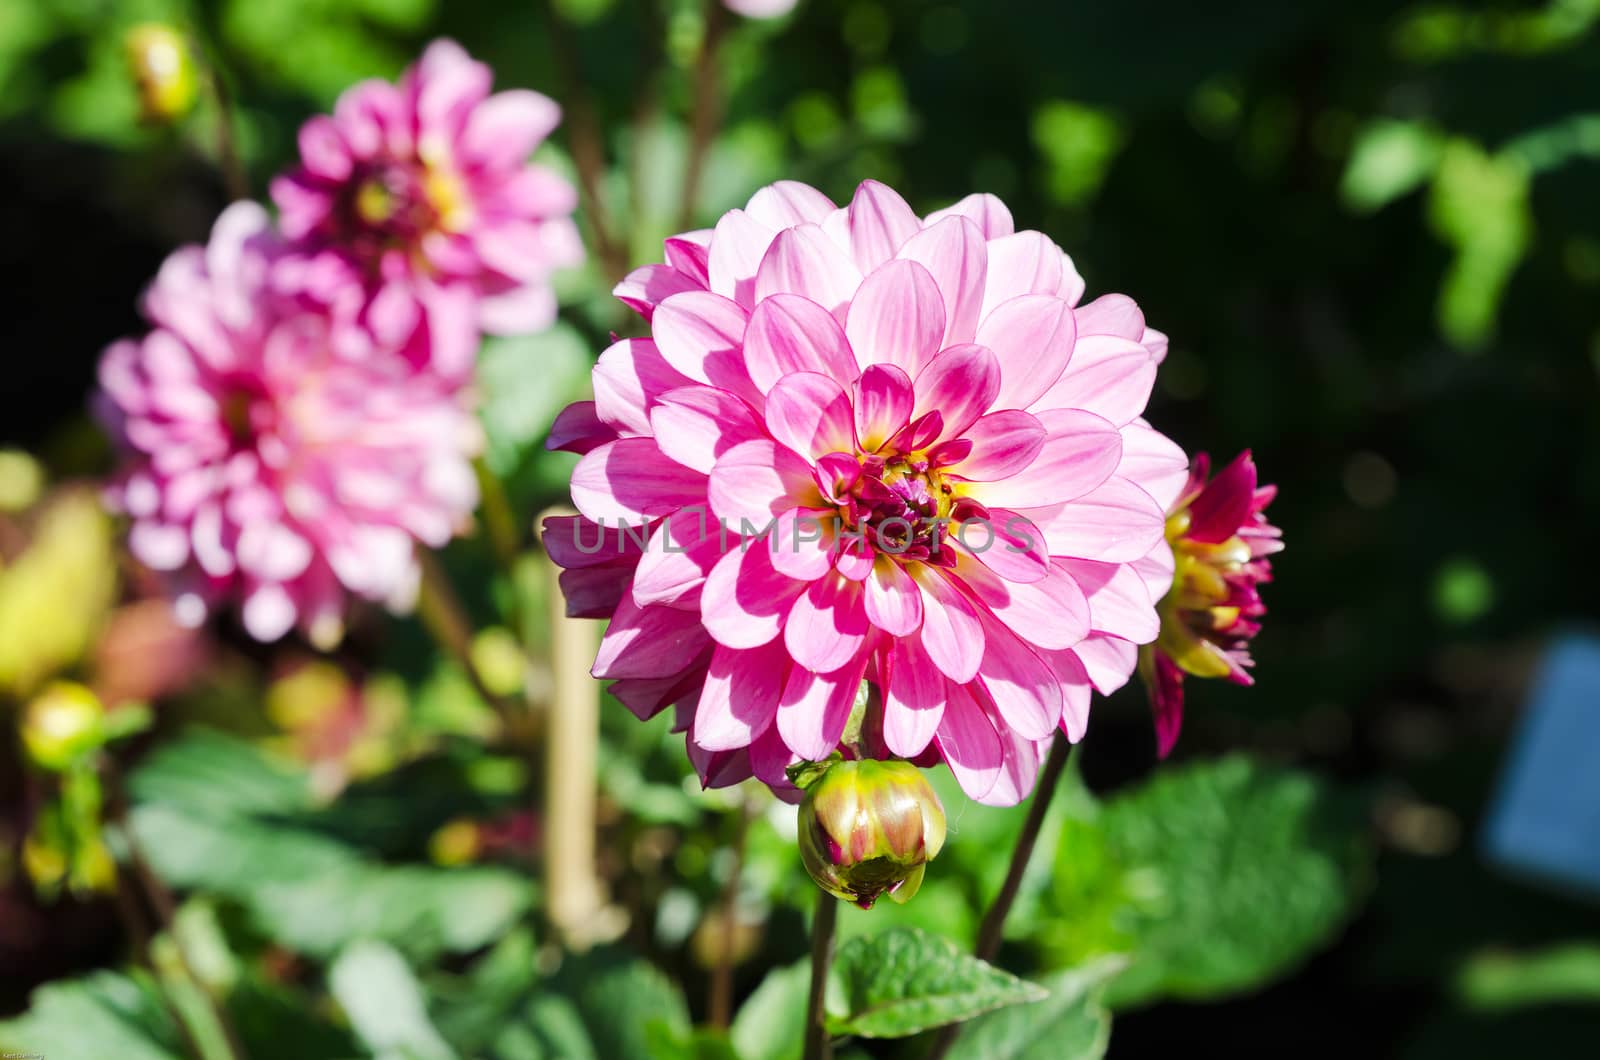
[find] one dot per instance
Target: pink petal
(1073, 680)
(1108, 376)
(1115, 523)
(503, 130)
(1080, 452)
(1108, 660)
(695, 425)
(1025, 263)
(573, 542)
(630, 481)
(1111, 314)
(883, 402)
(1049, 613)
(1072, 286)
(1003, 443)
(985, 210)
(737, 246)
(745, 599)
(897, 317)
(954, 254)
(788, 203)
(690, 254)
(1008, 544)
(952, 632)
(893, 601)
(702, 335)
(814, 708)
(369, 115)
(629, 377)
(578, 429)
(519, 311)
(740, 697)
(648, 696)
(810, 414)
(757, 480)
(1155, 462)
(1032, 337)
(677, 561)
(827, 625)
(967, 740)
(880, 223)
(645, 288)
(323, 151)
(1156, 569)
(449, 85)
(769, 758)
(914, 698)
(1226, 502)
(804, 261)
(787, 334)
(1019, 766)
(960, 384)
(1119, 603)
(648, 642)
(1023, 688)
(802, 545)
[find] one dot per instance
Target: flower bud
(162, 70)
(868, 828)
(62, 724)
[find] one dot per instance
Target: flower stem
(822, 929)
(445, 618)
(707, 116)
(721, 1002)
(992, 929)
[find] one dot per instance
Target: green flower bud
(62, 724)
(162, 70)
(868, 828)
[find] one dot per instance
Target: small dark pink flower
(415, 215)
(1220, 541)
(259, 468)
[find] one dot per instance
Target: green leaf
(102, 1015)
(1230, 873)
(525, 381)
(619, 997)
(905, 981)
(1071, 1024)
(377, 991)
(771, 1023)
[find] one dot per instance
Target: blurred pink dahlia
(415, 216)
(260, 468)
(867, 445)
(1220, 541)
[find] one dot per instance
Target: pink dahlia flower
(415, 215)
(259, 467)
(867, 445)
(1220, 540)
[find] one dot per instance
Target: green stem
(822, 929)
(707, 116)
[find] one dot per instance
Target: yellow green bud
(868, 828)
(163, 71)
(62, 724)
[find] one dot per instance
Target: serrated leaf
(771, 1023)
(376, 989)
(904, 981)
(1071, 1024)
(102, 1015)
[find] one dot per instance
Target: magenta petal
(1050, 613)
(986, 211)
(1155, 462)
(648, 696)
(893, 601)
(960, 384)
(952, 632)
(737, 246)
(815, 707)
(897, 317)
(804, 261)
(694, 425)
(1080, 452)
(690, 254)
(503, 130)
(1119, 603)
(648, 642)
(953, 252)
(1226, 502)
(1032, 337)
(1116, 522)
(969, 743)
(740, 696)
(1024, 263)
(827, 625)
(629, 377)
(883, 402)
(1108, 376)
(1023, 688)
(573, 542)
(880, 223)
(1010, 545)
(802, 545)
(702, 335)
(679, 556)
(789, 333)
(810, 414)
(787, 203)
(745, 599)
(913, 699)
(1003, 443)
(578, 429)
(770, 757)
(630, 481)
(323, 151)
(1166, 700)
(757, 480)
(645, 288)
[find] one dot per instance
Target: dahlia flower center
(900, 505)
(399, 202)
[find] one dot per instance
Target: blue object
(1545, 820)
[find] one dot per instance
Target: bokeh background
(1372, 233)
